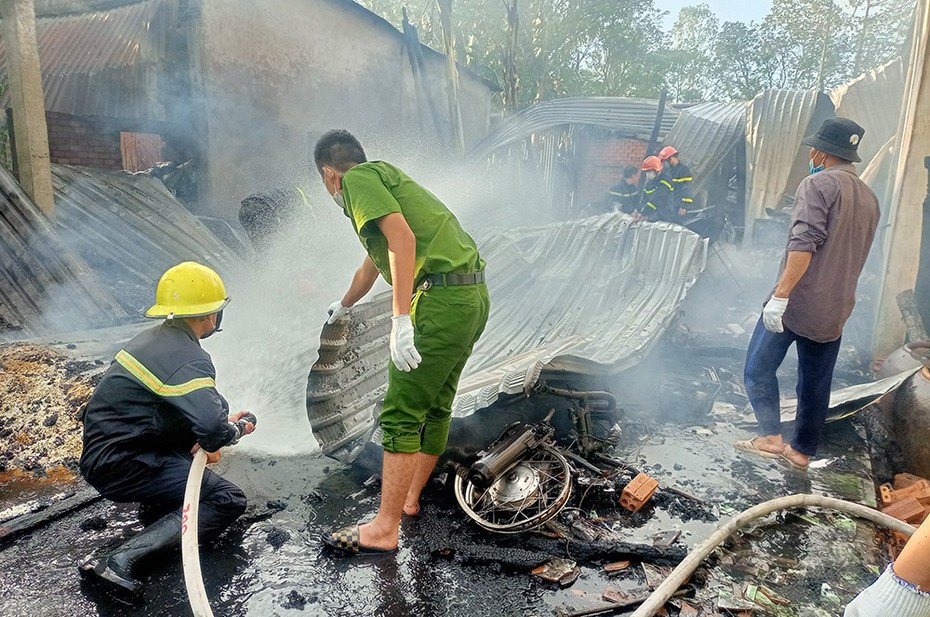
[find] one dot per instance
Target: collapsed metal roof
(873, 100)
(632, 117)
(129, 228)
(777, 122)
(41, 276)
(590, 296)
(105, 63)
(706, 134)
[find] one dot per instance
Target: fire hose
(190, 551)
(686, 568)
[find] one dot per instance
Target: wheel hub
(515, 486)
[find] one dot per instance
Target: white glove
(772, 313)
(888, 596)
(403, 352)
(335, 311)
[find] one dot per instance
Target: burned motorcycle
(524, 479)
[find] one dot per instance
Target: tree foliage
(543, 49)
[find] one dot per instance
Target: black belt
(450, 280)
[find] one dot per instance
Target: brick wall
(600, 160)
(75, 140)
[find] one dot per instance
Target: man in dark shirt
(833, 224)
(624, 195)
(154, 408)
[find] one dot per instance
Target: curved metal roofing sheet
(705, 134)
(590, 296)
(636, 117)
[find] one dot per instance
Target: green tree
(743, 61)
(689, 77)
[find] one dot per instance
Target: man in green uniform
(439, 311)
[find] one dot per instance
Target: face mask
(816, 168)
(650, 176)
(337, 197)
(216, 327)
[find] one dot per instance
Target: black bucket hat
(839, 137)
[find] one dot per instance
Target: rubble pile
(42, 391)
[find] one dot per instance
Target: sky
(726, 10)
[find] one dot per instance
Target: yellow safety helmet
(189, 289)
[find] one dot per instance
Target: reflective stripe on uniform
(687, 200)
(651, 205)
(616, 194)
(683, 179)
(666, 183)
(156, 385)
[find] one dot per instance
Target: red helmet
(667, 152)
(652, 163)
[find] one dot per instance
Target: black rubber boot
(114, 571)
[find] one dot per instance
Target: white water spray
(271, 329)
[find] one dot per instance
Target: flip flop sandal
(784, 458)
(749, 445)
(347, 540)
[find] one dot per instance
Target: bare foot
(412, 510)
(798, 458)
(368, 535)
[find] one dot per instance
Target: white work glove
(888, 596)
(403, 352)
(772, 313)
(335, 311)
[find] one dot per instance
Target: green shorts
(417, 408)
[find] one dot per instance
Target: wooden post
(903, 237)
(30, 132)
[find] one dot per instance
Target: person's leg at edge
(424, 469)
(816, 362)
(765, 354)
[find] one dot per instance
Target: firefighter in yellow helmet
(155, 406)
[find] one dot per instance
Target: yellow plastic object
(188, 289)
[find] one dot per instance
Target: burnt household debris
(591, 449)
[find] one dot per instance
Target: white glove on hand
(403, 352)
(335, 311)
(772, 313)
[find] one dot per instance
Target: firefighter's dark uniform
(659, 202)
(625, 196)
(681, 178)
(156, 401)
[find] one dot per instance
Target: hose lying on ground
(687, 567)
(190, 552)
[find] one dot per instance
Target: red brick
(906, 480)
(907, 509)
(639, 491)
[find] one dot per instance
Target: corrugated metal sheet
(129, 228)
(40, 276)
(108, 63)
(591, 296)
(777, 122)
(633, 117)
(706, 134)
(874, 101)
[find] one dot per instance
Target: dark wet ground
(271, 562)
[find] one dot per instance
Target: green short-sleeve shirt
(375, 189)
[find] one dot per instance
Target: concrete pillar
(905, 220)
(30, 133)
